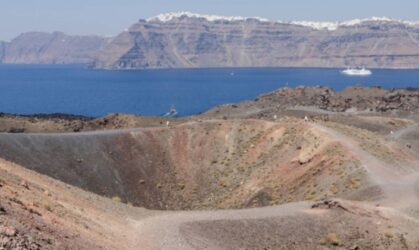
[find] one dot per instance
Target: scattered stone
(333, 239)
(389, 234)
(33, 211)
(8, 231)
(329, 204)
(16, 130)
(24, 184)
(181, 186)
(116, 199)
(2, 210)
(404, 241)
(303, 161)
(142, 181)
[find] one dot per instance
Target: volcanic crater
(259, 175)
(214, 164)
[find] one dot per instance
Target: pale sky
(109, 17)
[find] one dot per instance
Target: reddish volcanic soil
(196, 165)
(338, 181)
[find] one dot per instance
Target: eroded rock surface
(188, 42)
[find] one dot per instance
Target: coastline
(400, 102)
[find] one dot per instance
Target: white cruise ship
(357, 72)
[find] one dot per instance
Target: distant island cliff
(51, 48)
(187, 40)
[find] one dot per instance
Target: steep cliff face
(189, 40)
(51, 48)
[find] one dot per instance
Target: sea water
(74, 89)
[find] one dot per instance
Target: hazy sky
(109, 17)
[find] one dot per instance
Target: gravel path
(401, 187)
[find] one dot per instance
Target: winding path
(401, 187)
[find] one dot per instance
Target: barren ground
(218, 181)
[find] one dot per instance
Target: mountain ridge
(187, 40)
(51, 48)
(330, 25)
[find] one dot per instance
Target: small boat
(356, 72)
(172, 112)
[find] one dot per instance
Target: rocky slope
(182, 40)
(355, 189)
(69, 123)
(266, 179)
(325, 100)
(150, 168)
(51, 48)
(37, 212)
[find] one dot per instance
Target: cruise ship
(357, 72)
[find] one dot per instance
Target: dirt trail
(401, 187)
(164, 231)
(400, 133)
(289, 226)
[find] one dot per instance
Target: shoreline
(87, 66)
(71, 117)
(300, 101)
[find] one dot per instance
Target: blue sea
(74, 89)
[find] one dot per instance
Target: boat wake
(172, 112)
